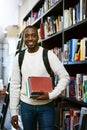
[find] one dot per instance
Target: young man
(40, 109)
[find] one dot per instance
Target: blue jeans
(42, 116)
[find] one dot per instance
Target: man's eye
(26, 36)
(33, 35)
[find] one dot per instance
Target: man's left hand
(43, 96)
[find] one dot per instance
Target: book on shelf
(45, 5)
(39, 84)
(76, 119)
(84, 122)
(77, 9)
(72, 87)
(85, 49)
(66, 120)
(66, 18)
(85, 87)
(77, 52)
(41, 30)
(72, 48)
(83, 9)
(82, 49)
(79, 87)
(70, 16)
(82, 113)
(71, 118)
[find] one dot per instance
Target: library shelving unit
(68, 20)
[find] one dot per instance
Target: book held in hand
(38, 84)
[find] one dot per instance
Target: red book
(38, 84)
(42, 30)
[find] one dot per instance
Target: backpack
(45, 59)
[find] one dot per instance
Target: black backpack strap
(20, 59)
(46, 62)
(47, 65)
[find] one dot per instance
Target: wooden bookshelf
(76, 30)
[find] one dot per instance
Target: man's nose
(30, 37)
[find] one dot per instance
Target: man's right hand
(14, 122)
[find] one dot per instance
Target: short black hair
(31, 26)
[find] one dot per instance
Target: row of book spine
(73, 15)
(75, 50)
(77, 88)
(47, 4)
(53, 24)
(70, 117)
